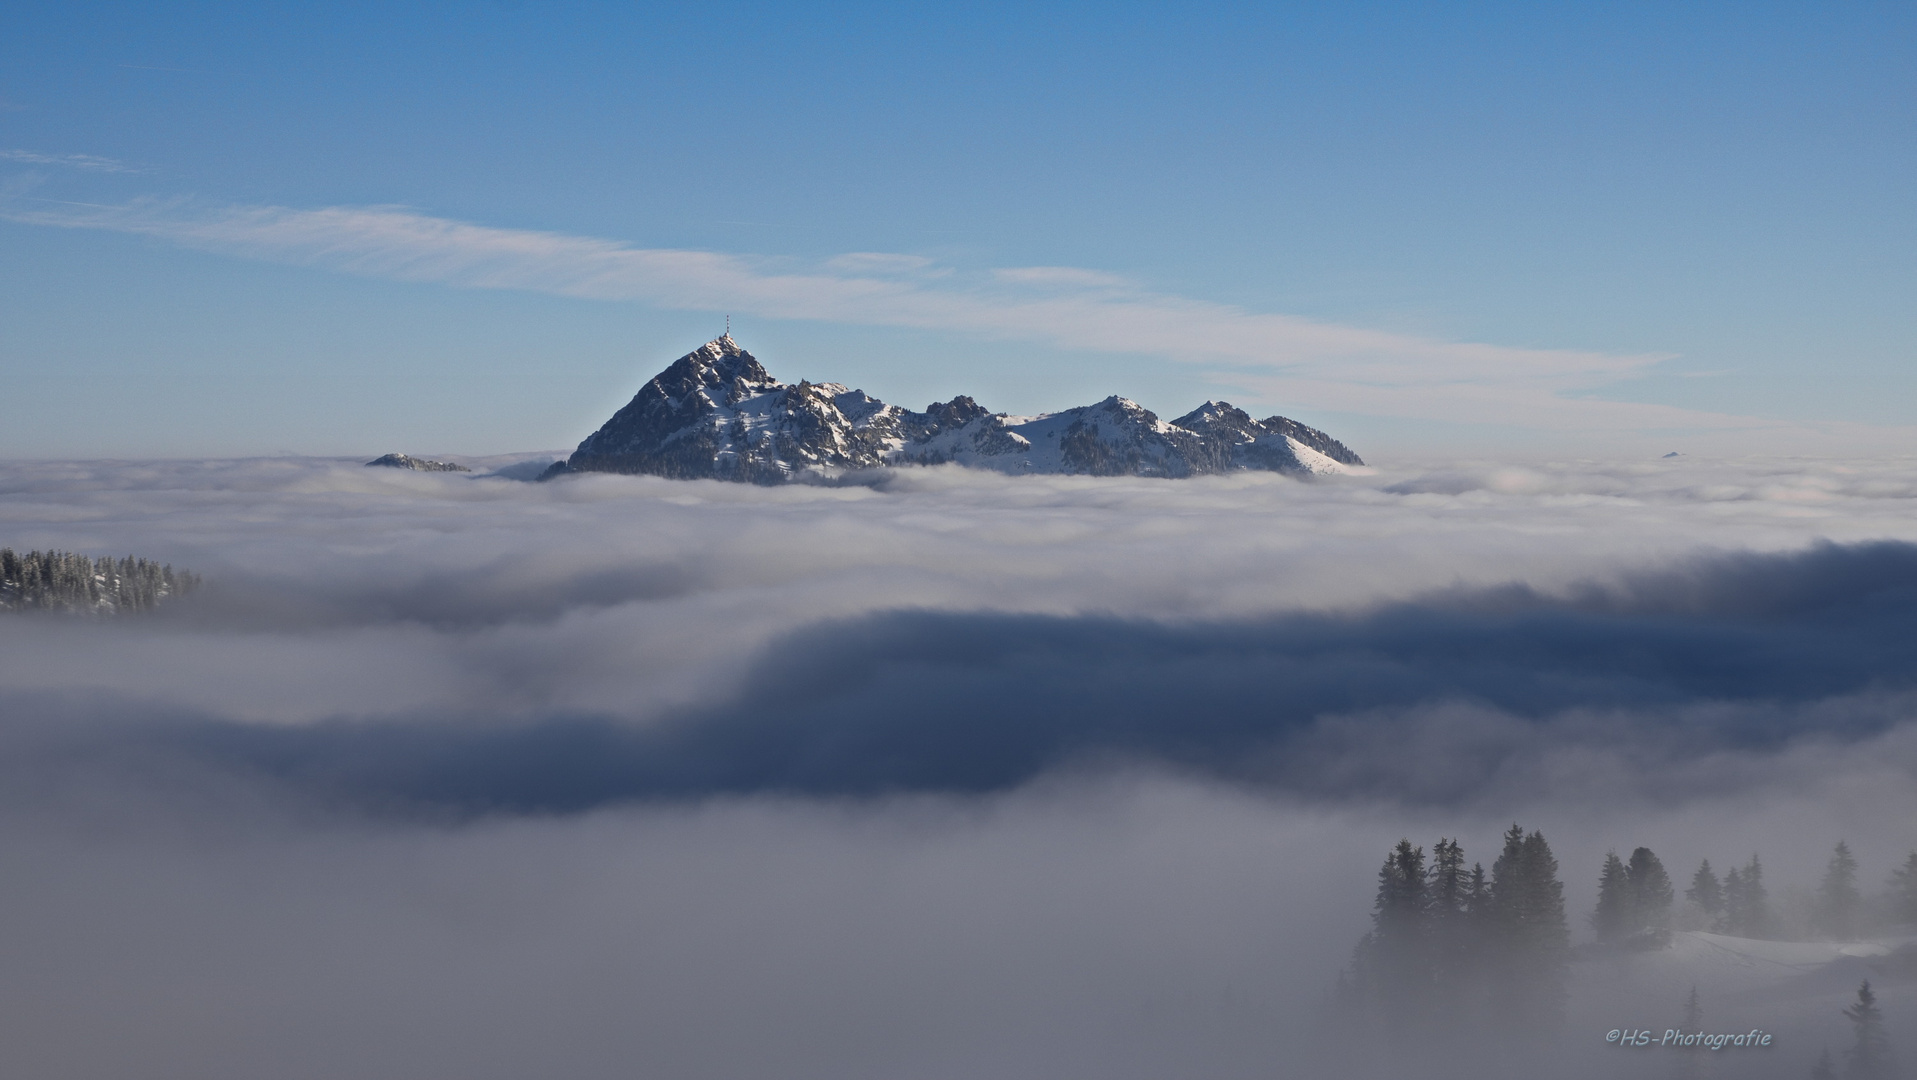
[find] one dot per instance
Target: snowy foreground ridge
(716, 413)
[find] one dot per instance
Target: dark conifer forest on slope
(64, 581)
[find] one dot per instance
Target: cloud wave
(1744, 653)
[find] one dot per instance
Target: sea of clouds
(926, 773)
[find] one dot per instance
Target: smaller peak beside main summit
(957, 412)
(1116, 406)
(1217, 418)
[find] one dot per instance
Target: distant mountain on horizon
(407, 461)
(716, 413)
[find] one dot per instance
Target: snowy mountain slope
(1115, 437)
(717, 413)
(407, 461)
(1275, 443)
(1750, 969)
(1793, 990)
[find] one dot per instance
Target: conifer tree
(1822, 1070)
(1528, 900)
(1402, 895)
(1903, 891)
(1734, 903)
(1505, 867)
(1448, 889)
(1870, 1058)
(1651, 897)
(1746, 909)
(1449, 899)
(1838, 900)
(1452, 897)
(1398, 953)
(1707, 894)
(1480, 921)
(1419, 972)
(1687, 1062)
(1351, 997)
(1549, 932)
(1613, 919)
(1478, 888)
(1757, 911)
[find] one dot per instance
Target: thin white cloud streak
(1311, 364)
(89, 162)
(1539, 400)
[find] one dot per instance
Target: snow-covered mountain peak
(716, 412)
(725, 359)
(719, 348)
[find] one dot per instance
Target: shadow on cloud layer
(1662, 682)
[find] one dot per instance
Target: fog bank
(941, 774)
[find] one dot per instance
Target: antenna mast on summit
(728, 326)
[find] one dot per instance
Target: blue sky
(477, 228)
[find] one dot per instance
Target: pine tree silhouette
(1651, 897)
(1838, 900)
(1534, 941)
(1903, 891)
(1613, 919)
(1708, 895)
(1870, 1058)
(1687, 1058)
(1399, 919)
(1450, 894)
(1746, 909)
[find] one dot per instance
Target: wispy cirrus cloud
(88, 162)
(882, 263)
(1061, 277)
(1311, 363)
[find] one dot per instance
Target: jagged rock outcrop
(1276, 442)
(402, 461)
(717, 413)
(1115, 437)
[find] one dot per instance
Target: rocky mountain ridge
(407, 461)
(716, 413)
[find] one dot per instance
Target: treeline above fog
(1452, 946)
(64, 581)
(1461, 964)
(1433, 920)
(1637, 907)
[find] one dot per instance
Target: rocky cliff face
(717, 413)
